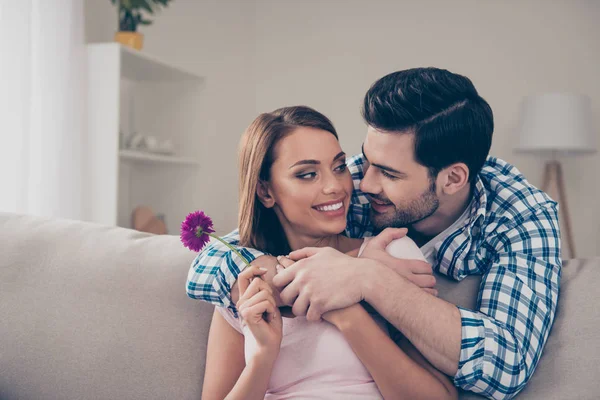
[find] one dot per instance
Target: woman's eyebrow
(317, 162)
(339, 155)
(303, 162)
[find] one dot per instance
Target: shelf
(139, 66)
(138, 156)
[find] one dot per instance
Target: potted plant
(131, 16)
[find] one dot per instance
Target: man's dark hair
(451, 122)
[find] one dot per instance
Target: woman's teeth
(331, 207)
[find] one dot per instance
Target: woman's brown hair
(258, 225)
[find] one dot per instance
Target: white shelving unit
(138, 156)
(133, 92)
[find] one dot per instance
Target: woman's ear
(264, 194)
(456, 178)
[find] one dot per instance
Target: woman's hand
(259, 311)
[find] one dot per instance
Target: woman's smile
(331, 209)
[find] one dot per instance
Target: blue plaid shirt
(511, 238)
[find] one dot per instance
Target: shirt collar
(478, 207)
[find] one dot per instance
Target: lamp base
(554, 186)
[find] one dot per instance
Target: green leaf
(144, 4)
(145, 22)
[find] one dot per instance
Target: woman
(295, 192)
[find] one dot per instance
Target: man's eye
(389, 176)
(307, 176)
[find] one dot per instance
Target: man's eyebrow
(317, 162)
(380, 166)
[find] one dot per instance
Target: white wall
(263, 54)
(326, 54)
(215, 39)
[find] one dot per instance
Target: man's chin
(382, 221)
(377, 220)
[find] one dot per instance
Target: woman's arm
(224, 359)
(399, 372)
(226, 375)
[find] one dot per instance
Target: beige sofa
(94, 312)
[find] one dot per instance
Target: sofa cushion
(568, 368)
(94, 312)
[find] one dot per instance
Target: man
(425, 166)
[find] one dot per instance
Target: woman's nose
(333, 184)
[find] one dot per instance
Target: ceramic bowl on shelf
(150, 144)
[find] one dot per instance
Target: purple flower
(195, 230)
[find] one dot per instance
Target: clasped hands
(315, 281)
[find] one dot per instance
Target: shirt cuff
(489, 362)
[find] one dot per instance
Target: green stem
(231, 247)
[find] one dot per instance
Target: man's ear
(264, 194)
(456, 177)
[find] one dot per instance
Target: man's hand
(322, 280)
(417, 271)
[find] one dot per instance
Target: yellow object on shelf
(132, 39)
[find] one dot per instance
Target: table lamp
(555, 125)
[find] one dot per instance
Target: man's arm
(494, 350)
(215, 270)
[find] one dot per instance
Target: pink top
(315, 360)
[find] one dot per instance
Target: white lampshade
(556, 122)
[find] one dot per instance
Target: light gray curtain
(42, 107)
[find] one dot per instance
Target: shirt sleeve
(502, 342)
(236, 323)
(215, 270)
(358, 224)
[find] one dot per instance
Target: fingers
(259, 297)
(433, 292)
(300, 307)
(247, 275)
(284, 262)
(284, 276)
(387, 236)
(422, 281)
(304, 253)
(254, 314)
(289, 294)
(420, 267)
(314, 313)
(255, 286)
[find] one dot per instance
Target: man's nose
(369, 183)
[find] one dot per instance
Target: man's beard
(415, 211)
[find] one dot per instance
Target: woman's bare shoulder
(265, 261)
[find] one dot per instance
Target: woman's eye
(307, 176)
(341, 168)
